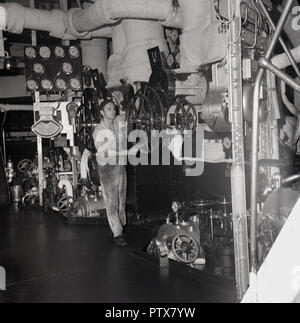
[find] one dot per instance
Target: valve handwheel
(25, 165)
(185, 248)
(64, 204)
(139, 114)
(185, 116)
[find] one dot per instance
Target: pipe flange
(70, 26)
(15, 17)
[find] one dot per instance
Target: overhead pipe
(201, 41)
(94, 54)
(76, 23)
(255, 127)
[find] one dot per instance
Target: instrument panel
(53, 68)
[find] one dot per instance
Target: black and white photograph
(150, 154)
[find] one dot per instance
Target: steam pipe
(265, 64)
(285, 48)
(255, 123)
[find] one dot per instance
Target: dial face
(45, 52)
(38, 68)
(174, 35)
(59, 52)
(30, 52)
(60, 84)
(75, 84)
(32, 85)
(74, 52)
(67, 68)
(47, 84)
(170, 60)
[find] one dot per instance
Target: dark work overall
(114, 182)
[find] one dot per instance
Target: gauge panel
(53, 68)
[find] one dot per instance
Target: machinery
(183, 67)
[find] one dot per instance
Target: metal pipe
(285, 48)
(265, 64)
(290, 179)
(255, 123)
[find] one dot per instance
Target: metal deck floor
(47, 260)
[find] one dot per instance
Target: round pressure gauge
(38, 68)
(67, 68)
(32, 85)
(174, 35)
(47, 84)
(74, 52)
(60, 84)
(45, 52)
(30, 52)
(170, 60)
(59, 52)
(75, 84)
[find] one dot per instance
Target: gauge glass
(59, 52)
(74, 52)
(32, 85)
(75, 84)
(30, 52)
(38, 68)
(67, 68)
(46, 84)
(60, 84)
(45, 52)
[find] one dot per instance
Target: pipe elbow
(173, 20)
(15, 17)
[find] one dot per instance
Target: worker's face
(109, 111)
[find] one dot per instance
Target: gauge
(59, 52)
(75, 84)
(45, 52)
(60, 84)
(47, 84)
(174, 35)
(30, 52)
(38, 68)
(67, 68)
(74, 52)
(170, 60)
(32, 85)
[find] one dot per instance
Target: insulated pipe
(19, 17)
(255, 126)
(94, 54)
(3, 18)
(104, 12)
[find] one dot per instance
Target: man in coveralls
(109, 136)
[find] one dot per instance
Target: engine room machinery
(223, 79)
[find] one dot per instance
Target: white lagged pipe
(3, 18)
(94, 54)
(104, 12)
(19, 17)
(201, 42)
